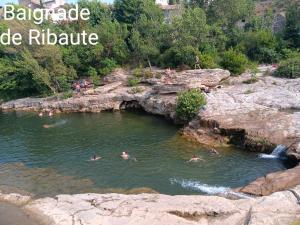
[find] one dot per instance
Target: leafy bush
(208, 61)
(234, 61)
(137, 72)
(67, 94)
(132, 82)
(158, 75)
(94, 76)
(251, 80)
(136, 90)
(260, 46)
(189, 103)
(177, 56)
(148, 74)
(107, 66)
(289, 68)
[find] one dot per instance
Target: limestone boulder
(293, 152)
(149, 209)
(273, 182)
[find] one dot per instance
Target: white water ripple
(198, 186)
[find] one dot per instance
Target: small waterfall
(279, 150)
(278, 153)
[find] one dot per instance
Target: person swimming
(195, 159)
(41, 114)
(50, 113)
(59, 123)
(214, 151)
(95, 158)
(125, 155)
(47, 126)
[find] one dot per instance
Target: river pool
(56, 160)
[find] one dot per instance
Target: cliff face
(255, 116)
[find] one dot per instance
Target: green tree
(260, 46)
(177, 56)
(128, 11)
(145, 37)
(234, 61)
(289, 68)
(228, 12)
(98, 10)
(191, 28)
(292, 28)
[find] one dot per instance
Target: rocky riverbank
(256, 116)
(101, 209)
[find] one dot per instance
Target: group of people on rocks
(82, 84)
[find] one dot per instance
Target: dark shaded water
(56, 160)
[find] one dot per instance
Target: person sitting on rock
(195, 159)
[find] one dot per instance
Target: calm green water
(56, 160)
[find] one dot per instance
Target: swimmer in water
(47, 126)
(195, 159)
(59, 123)
(41, 114)
(50, 113)
(95, 158)
(125, 155)
(214, 151)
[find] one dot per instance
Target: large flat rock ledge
(149, 209)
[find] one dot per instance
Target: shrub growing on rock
(234, 61)
(137, 72)
(107, 66)
(208, 61)
(189, 103)
(289, 68)
(132, 82)
(179, 55)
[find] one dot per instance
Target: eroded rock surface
(256, 116)
(273, 182)
(117, 209)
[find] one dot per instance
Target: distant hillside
(277, 6)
